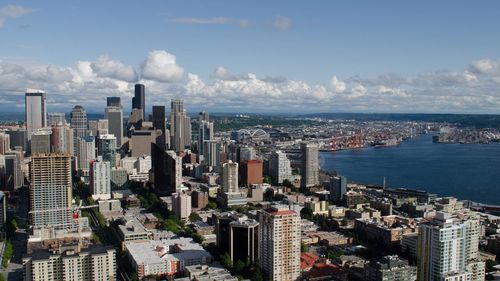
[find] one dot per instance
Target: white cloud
(214, 20)
(337, 85)
(11, 12)
(282, 23)
(161, 66)
(485, 66)
(107, 67)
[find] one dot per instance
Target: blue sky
(368, 44)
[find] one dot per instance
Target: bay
(466, 171)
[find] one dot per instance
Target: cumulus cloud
(12, 12)
(214, 20)
(88, 82)
(282, 23)
(161, 66)
(107, 67)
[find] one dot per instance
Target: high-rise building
(85, 153)
(244, 240)
(251, 172)
(159, 123)
(114, 114)
(448, 249)
(204, 116)
(181, 205)
(167, 170)
(279, 167)
(113, 101)
(55, 118)
(310, 166)
(180, 126)
(35, 111)
(3, 214)
(107, 148)
(246, 153)
(50, 190)
(205, 136)
(100, 179)
(4, 142)
(139, 99)
(18, 137)
(62, 139)
(279, 238)
(14, 177)
(140, 142)
(390, 268)
(71, 262)
(41, 141)
(338, 188)
(78, 123)
(230, 177)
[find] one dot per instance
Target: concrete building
(14, 176)
(199, 199)
(230, 177)
(114, 114)
(100, 179)
(107, 148)
(71, 262)
(4, 142)
(41, 141)
(448, 249)
(279, 167)
(63, 139)
(18, 138)
(251, 172)
(55, 118)
(78, 124)
(140, 142)
(180, 126)
(310, 166)
(338, 188)
(86, 152)
(50, 190)
(390, 268)
(181, 205)
(279, 238)
(119, 178)
(35, 110)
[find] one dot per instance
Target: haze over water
(466, 171)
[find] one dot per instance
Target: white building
(279, 238)
(181, 205)
(448, 249)
(36, 111)
(310, 165)
(230, 177)
(280, 168)
(100, 179)
(85, 153)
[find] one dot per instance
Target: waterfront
(465, 171)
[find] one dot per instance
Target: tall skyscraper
(244, 240)
(448, 249)
(107, 148)
(113, 101)
(159, 123)
(310, 166)
(56, 118)
(338, 188)
(167, 170)
(279, 238)
(35, 111)
(78, 123)
(230, 177)
(139, 99)
(41, 141)
(100, 179)
(50, 190)
(180, 126)
(63, 139)
(114, 114)
(85, 153)
(205, 136)
(204, 116)
(279, 166)
(4, 142)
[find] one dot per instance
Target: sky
(255, 56)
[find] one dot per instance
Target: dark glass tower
(139, 99)
(159, 124)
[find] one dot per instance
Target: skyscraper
(205, 136)
(100, 179)
(56, 118)
(50, 190)
(180, 126)
(107, 148)
(279, 238)
(85, 153)
(448, 249)
(338, 188)
(167, 170)
(113, 101)
(230, 177)
(279, 166)
(139, 99)
(159, 123)
(114, 114)
(244, 240)
(63, 139)
(78, 123)
(310, 166)
(35, 111)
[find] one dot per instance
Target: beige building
(279, 238)
(71, 263)
(181, 205)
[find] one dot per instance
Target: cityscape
(113, 173)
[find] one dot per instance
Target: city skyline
(386, 57)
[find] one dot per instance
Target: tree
(211, 205)
(267, 179)
(288, 183)
(194, 216)
(239, 268)
(304, 248)
(225, 260)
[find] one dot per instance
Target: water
(466, 171)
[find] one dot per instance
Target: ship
(385, 143)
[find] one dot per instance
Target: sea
(466, 171)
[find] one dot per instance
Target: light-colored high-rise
(71, 263)
(448, 249)
(180, 126)
(41, 141)
(181, 205)
(280, 168)
(100, 179)
(56, 118)
(4, 142)
(62, 139)
(230, 177)
(78, 123)
(35, 111)
(279, 238)
(310, 166)
(50, 190)
(85, 153)
(114, 115)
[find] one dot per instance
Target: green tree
(9, 250)
(225, 260)
(239, 268)
(2, 278)
(194, 216)
(267, 179)
(304, 248)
